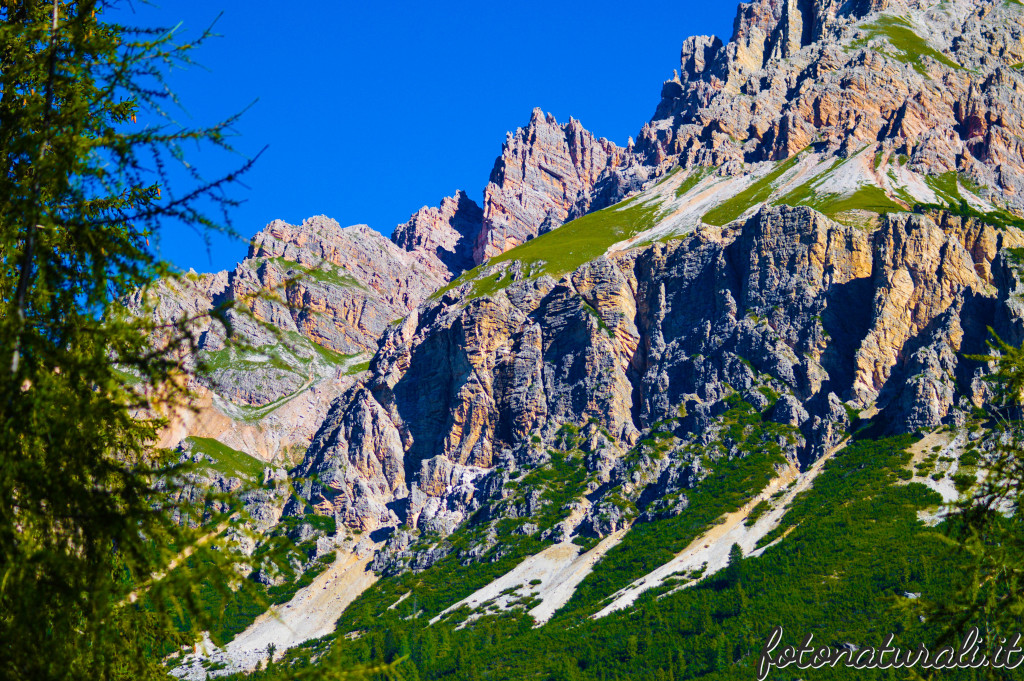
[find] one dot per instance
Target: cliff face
(306, 308)
(793, 311)
(348, 283)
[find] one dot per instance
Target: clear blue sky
(370, 110)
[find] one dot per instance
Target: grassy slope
(692, 180)
(867, 197)
(756, 193)
(562, 250)
(293, 353)
(908, 46)
(947, 188)
(566, 248)
(226, 460)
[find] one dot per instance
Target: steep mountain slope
(789, 309)
(574, 383)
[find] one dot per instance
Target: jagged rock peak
(545, 170)
(763, 30)
(936, 82)
(280, 239)
(771, 29)
(449, 231)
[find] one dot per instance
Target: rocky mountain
(936, 82)
(546, 173)
(305, 309)
(817, 228)
(793, 311)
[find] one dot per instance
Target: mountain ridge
(810, 238)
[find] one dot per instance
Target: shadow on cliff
(976, 314)
(846, 319)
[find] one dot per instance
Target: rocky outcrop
(304, 303)
(948, 289)
(920, 273)
(358, 462)
(545, 171)
(934, 81)
(204, 491)
(183, 302)
(339, 287)
(449, 232)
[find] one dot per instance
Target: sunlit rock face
(806, 312)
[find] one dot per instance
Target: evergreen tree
(988, 527)
(85, 528)
(632, 647)
(735, 565)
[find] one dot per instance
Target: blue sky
(370, 110)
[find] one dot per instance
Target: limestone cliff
(339, 287)
(788, 303)
(305, 308)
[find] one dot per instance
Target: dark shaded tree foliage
(84, 525)
(987, 528)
